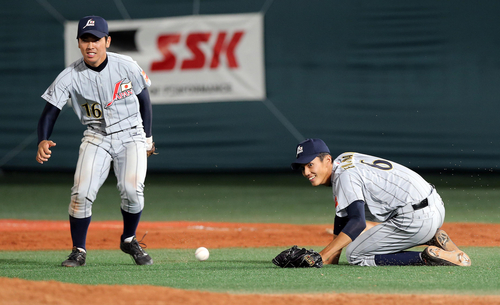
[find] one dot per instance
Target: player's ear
(108, 41)
(329, 158)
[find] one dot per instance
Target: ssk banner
(191, 59)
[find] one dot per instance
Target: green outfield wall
(417, 82)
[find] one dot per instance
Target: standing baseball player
(109, 95)
(382, 209)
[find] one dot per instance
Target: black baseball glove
(297, 258)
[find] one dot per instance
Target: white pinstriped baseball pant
(407, 229)
(127, 151)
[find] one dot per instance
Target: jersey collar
(100, 67)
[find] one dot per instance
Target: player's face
(93, 49)
(318, 171)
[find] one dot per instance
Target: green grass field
(239, 270)
(268, 198)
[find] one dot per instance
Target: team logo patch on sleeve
(145, 76)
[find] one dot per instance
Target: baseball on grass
(202, 254)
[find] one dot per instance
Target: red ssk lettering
(192, 42)
(168, 62)
(197, 61)
(229, 50)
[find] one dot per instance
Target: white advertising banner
(191, 59)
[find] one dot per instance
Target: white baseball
(201, 254)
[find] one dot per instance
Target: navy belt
(422, 204)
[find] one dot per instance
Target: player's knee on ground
(358, 258)
(80, 206)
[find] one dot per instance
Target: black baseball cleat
(434, 256)
(135, 250)
(75, 259)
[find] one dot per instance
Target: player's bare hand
(44, 151)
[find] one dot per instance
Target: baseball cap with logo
(94, 25)
(307, 150)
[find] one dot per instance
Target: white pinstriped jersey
(382, 184)
(105, 100)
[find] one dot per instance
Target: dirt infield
(54, 235)
(21, 292)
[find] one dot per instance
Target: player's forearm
(146, 111)
(334, 259)
(331, 253)
(47, 121)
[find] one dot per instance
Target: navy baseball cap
(307, 150)
(94, 25)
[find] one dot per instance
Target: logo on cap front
(90, 22)
(300, 149)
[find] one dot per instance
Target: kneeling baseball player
(382, 209)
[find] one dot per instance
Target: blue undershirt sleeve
(339, 224)
(146, 110)
(356, 222)
(47, 121)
